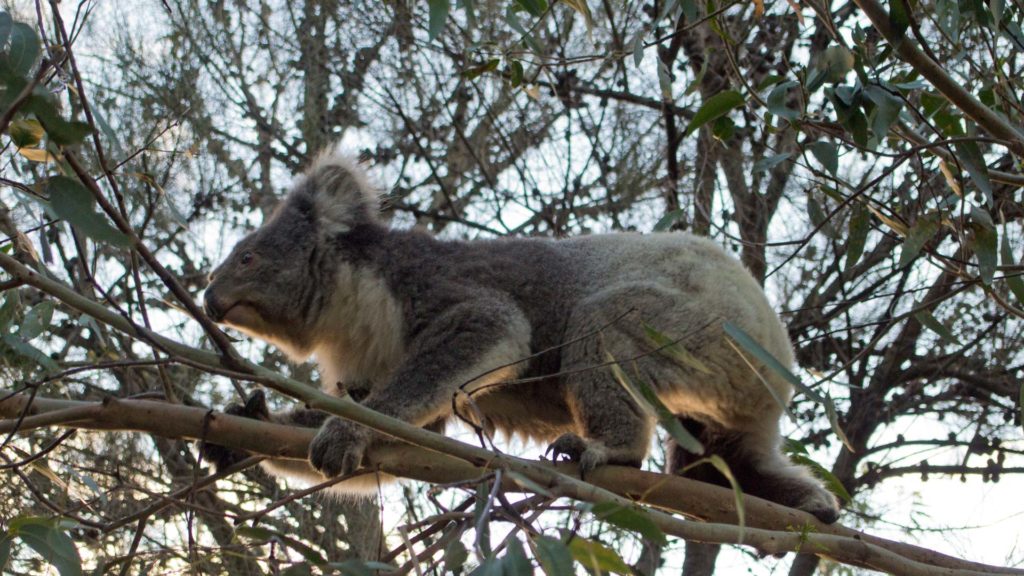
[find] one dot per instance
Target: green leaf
(737, 492)
(887, 109)
(25, 133)
(37, 320)
(632, 518)
(836, 62)
(30, 352)
(1013, 279)
(860, 225)
(818, 217)
(718, 105)
(489, 66)
(984, 243)
(970, 157)
(762, 355)
(664, 80)
(438, 17)
(455, 556)
(597, 557)
(674, 350)
(5, 541)
(899, 17)
(490, 566)
(52, 543)
(533, 7)
(798, 454)
(827, 154)
(23, 49)
(515, 562)
(356, 567)
(70, 201)
(638, 48)
(770, 162)
(723, 128)
(553, 556)
(919, 234)
(928, 320)
(60, 131)
(669, 219)
(648, 401)
(5, 32)
(777, 101)
(833, 421)
(515, 72)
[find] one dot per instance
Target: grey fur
(519, 327)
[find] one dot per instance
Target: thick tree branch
(771, 528)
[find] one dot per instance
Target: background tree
(864, 161)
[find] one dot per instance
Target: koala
(522, 328)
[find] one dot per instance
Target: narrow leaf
(669, 219)
(718, 105)
(73, 203)
(674, 350)
(597, 557)
(553, 556)
(53, 545)
(827, 154)
(928, 320)
(762, 355)
(632, 518)
(1013, 279)
(23, 49)
(648, 401)
(777, 101)
(985, 243)
(860, 225)
(919, 234)
(438, 17)
(770, 162)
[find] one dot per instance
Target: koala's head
(277, 280)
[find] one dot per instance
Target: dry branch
(771, 528)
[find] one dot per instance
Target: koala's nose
(212, 307)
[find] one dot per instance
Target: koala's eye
(246, 259)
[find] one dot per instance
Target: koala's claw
(338, 447)
(255, 407)
(588, 454)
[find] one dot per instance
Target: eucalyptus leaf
(438, 16)
(70, 201)
(597, 557)
(770, 162)
(553, 556)
(54, 545)
(632, 518)
(718, 105)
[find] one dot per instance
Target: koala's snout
(212, 306)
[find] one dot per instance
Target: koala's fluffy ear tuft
(342, 194)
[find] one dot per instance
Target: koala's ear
(342, 194)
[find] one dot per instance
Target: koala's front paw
(589, 454)
(338, 447)
(255, 407)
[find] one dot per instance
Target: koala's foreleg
(610, 427)
(470, 345)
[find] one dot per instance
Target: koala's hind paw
(338, 447)
(588, 454)
(821, 504)
(255, 407)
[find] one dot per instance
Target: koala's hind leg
(760, 468)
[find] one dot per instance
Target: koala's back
(612, 288)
